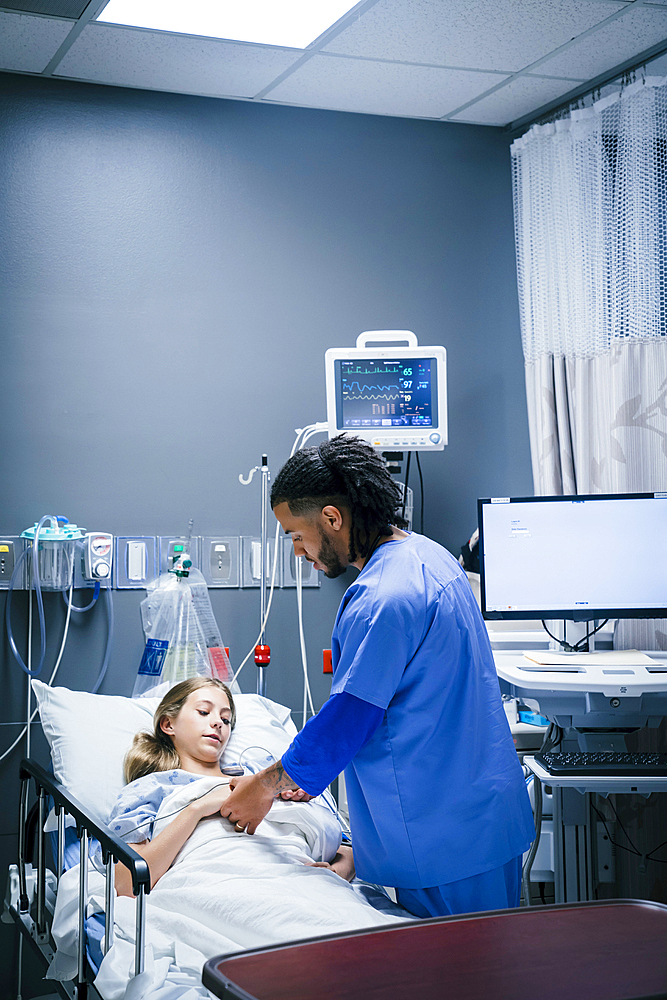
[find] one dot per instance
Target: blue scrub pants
(498, 889)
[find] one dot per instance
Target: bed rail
(113, 849)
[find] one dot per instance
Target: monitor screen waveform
(377, 393)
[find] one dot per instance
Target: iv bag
(182, 636)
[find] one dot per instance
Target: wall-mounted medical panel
(172, 546)
(135, 562)
(11, 548)
(93, 560)
(251, 554)
(220, 560)
(310, 577)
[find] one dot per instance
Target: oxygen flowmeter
(97, 549)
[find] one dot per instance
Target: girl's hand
(295, 795)
(210, 803)
(342, 864)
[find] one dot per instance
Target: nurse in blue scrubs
(437, 798)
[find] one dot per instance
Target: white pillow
(89, 735)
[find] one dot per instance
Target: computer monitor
(393, 397)
(574, 557)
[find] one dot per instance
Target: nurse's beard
(328, 557)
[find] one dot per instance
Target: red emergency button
(262, 655)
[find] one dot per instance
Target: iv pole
(262, 651)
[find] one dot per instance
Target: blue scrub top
(437, 793)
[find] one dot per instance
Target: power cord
(579, 647)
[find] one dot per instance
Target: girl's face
(201, 729)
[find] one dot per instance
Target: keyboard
(603, 763)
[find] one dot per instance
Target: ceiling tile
(380, 88)
(504, 35)
(611, 45)
(28, 43)
(517, 98)
(128, 57)
(657, 67)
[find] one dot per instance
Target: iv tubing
(307, 433)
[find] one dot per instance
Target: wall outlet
(11, 548)
(135, 563)
(220, 560)
(310, 577)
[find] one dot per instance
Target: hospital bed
(88, 736)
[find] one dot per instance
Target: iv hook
(246, 482)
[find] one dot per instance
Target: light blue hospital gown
(135, 809)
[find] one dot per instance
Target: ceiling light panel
(28, 43)
(380, 88)
(291, 23)
(155, 61)
(485, 34)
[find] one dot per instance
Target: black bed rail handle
(111, 845)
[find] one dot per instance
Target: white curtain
(590, 203)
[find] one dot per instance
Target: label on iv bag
(153, 659)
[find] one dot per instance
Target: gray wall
(173, 270)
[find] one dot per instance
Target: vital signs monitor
(574, 557)
(394, 397)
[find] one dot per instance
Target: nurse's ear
(333, 517)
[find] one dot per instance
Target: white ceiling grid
(487, 62)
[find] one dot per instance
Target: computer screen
(574, 557)
(393, 399)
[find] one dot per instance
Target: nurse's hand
(248, 803)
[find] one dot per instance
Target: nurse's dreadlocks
(342, 472)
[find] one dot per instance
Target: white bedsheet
(225, 892)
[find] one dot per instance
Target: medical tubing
(268, 606)
(87, 607)
(40, 603)
(528, 863)
(26, 728)
(421, 494)
(110, 632)
(302, 435)
(307, 696)
(8, 609)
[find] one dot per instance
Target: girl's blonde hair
(155, 751)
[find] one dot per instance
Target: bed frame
(33, 915)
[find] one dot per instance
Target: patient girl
(191, 728)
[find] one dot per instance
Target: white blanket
(225, 892)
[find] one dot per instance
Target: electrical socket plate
(220, 561)
(11, 548)
(251, 551)
(135, 563)
(310, 577)
(169, 547)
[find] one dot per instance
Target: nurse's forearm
(276, 778)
